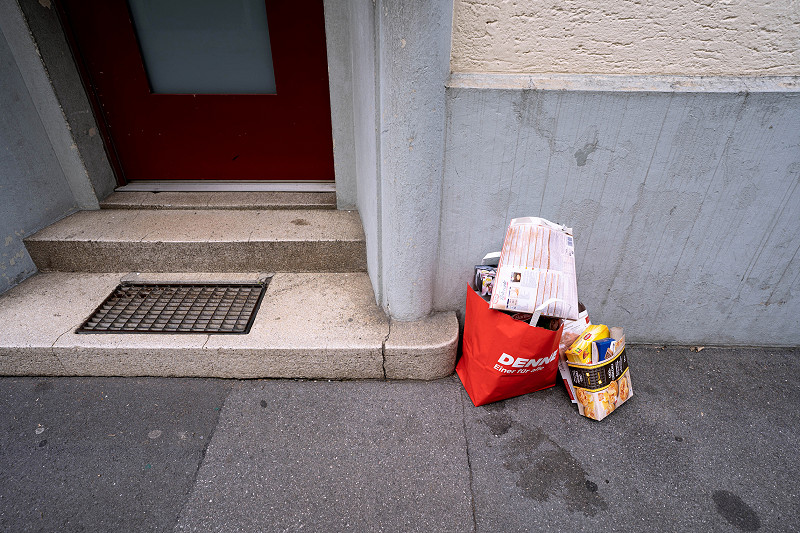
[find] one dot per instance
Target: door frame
(83, 72)
(75, 99)
(129, 112)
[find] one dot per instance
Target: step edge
(190, 362)
(424, 349)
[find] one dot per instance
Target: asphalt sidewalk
(708, 442)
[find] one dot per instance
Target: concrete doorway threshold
(318, 318)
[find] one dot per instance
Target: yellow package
(581, 349)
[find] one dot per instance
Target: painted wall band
(626, 83)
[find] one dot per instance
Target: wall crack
(383, 349)
(55, 354)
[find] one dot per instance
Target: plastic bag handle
(538, 311)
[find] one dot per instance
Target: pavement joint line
(469, 463)
(201, 460)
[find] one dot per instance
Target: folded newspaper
(537, 264)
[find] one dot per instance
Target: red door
(277, 133)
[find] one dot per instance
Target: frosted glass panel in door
(205, 46)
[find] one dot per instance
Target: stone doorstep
(324, 326)
(205, 240)
(206, 225)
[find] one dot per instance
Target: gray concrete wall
(84, 138)
(338, 30)
(399, 54)
(39, 86)
(363, 47)
(414, 62)
(33, 189)
(683, 197)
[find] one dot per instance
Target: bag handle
(538, 311)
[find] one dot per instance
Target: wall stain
(735, 511)
(582, 154)
(544, 468)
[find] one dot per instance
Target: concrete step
(208, 240)
(323, 325)
(220, 200)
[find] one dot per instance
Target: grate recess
(177, 308)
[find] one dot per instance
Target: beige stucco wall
(688, 37)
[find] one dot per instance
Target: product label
(598, 377)
(508, 364)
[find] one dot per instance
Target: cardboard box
(537, 266)
(602, 387)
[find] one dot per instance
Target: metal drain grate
(177, 308)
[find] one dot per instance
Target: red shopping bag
(503, 357)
